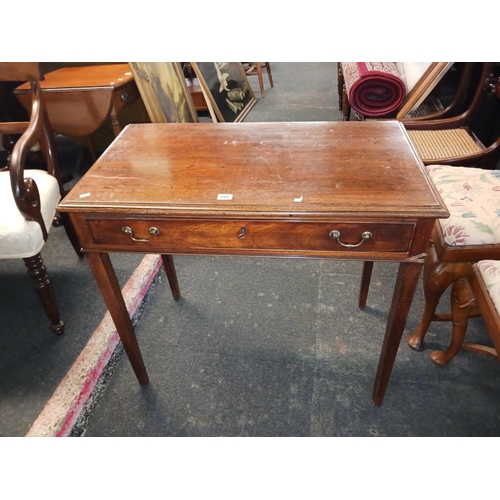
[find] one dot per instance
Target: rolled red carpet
(373, 88)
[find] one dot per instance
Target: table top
(84, 78)
(299, 169)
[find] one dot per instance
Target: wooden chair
(255, 68)
(452, 141)
(471, 234)
(478, 292)
(28, 198)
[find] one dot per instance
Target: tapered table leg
(105, 276)
(168, 264)
(406, 284)
(365, 283)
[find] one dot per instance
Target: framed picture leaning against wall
(226, 86)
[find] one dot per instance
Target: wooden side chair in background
(255, 68)
(452, 141)
(28, 198)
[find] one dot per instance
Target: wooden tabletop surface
(84, 77)
(280, 169)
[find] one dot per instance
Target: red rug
(373, 88)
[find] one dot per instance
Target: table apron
(358, 240)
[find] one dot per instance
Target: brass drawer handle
(243, 233)
(153, 231)
(336, 236)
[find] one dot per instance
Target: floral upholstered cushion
(472, 196)
(490, 272)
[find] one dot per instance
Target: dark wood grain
(104, 273)
(345, 168)
(155, 190)
(404, 291)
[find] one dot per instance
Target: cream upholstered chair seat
(21, 238)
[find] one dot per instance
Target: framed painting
(226, 87)
(164, 92)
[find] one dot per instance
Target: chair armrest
(25, 190)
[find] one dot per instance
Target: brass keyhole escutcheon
(336, 236)
(153, 231)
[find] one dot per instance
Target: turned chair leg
(462, 301)
(45, 291)
(438, 276)
(168, 264)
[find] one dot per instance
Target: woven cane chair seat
(436, 144)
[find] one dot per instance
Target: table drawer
(178, 235)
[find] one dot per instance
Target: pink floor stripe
(65, 406)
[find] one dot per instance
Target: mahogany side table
(341, 190)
